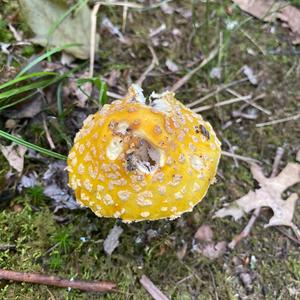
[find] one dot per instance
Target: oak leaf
(268, 195)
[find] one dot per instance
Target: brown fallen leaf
(269, 10)
(214, 251)
(53, 25)
(14, 155)
(206, 246)
(268, 195)
(204, 233)
(28, 109)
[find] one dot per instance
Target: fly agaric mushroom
(137, 162)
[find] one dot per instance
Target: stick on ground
(91, 286)
(152, 289)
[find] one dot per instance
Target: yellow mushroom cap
(136, 162)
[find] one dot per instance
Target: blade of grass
(19, 90)
(2, 107)
(45, 55)
(34, 147)
(102, 88)
(50, 82)
(59, 101)
(25, 77)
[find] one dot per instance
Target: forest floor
(69, 242)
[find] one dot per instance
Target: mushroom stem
(92, 286)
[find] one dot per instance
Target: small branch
(251, 102)
(125, 11)
(48, 135)
(114, 95)
(241, 157)
(215, 92)
(119, 3)
(93, 38)
(219, 104)
(188, 76)
(4, 247)
(252, 40)
(150, 67)
(91, 286)
(290, 118)
(152, 289)
(247, 230)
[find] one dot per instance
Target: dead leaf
(181, 253)
(42, 15)
(262, 9)
(204, 233)
(290, 15)
(268, 195)
(14, 155)
(55, 181)
(28, 109)
(214, 251)
(112, 240)
(27, 181)
(269, 10)
(206, 246)
(172, 66)
(250, 74)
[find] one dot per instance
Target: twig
(247, 230)
(15, 33)
(150, 67)
(225, 102)
(125, 11)
(277, 160)
(290, 118)
(251, 102)
(114, 95)
(4, 247)
(231, 150)
(119, 3)
(93, 37)
(48, 136)
(188, 76)
(241, 157)
(185, 279)
(247, 35)
(217, 91)
(152, 289)
(91, 286)
(288, 235)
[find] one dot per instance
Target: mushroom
(138, 161)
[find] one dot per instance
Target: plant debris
(14, 155)
(69, 28)
(55, 181)
(155, 293)
(206, 246)
(268, 195)
(91, 286)
(269, 10)
(112, 240)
